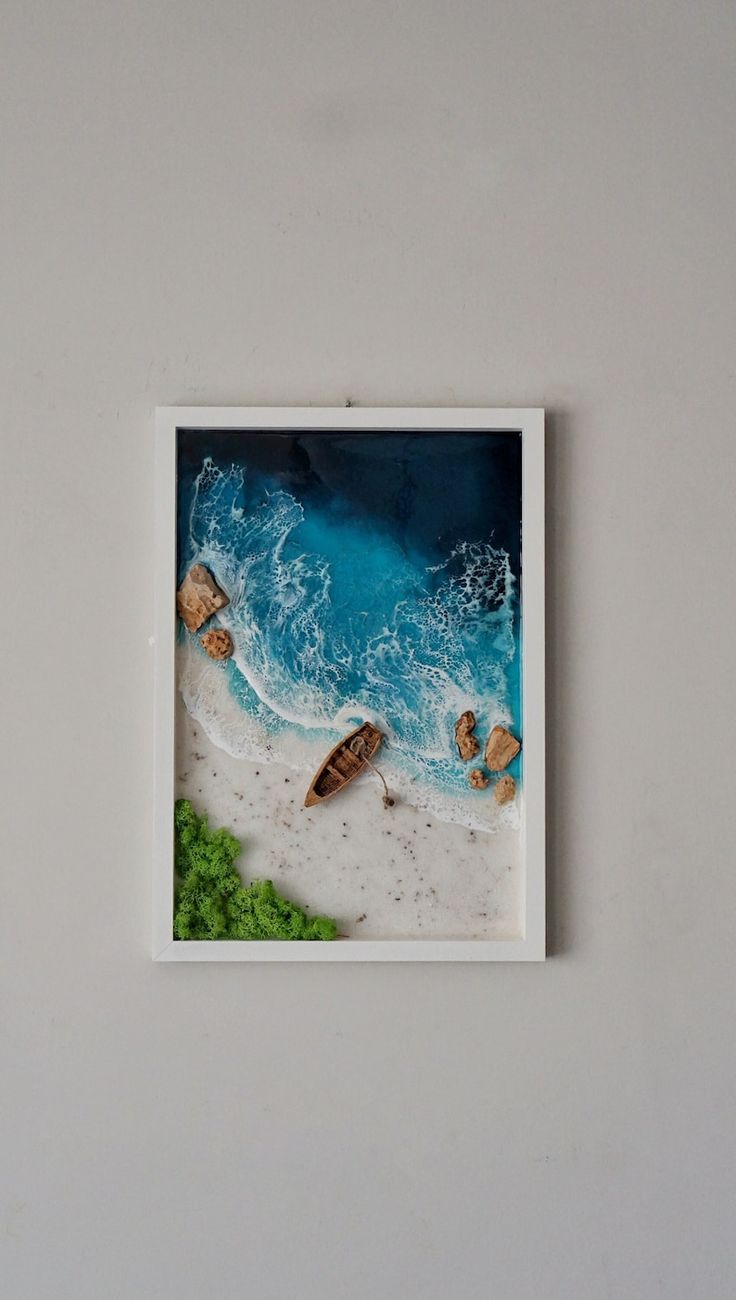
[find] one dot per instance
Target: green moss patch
(211, 900)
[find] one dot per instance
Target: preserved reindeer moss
(213, 903)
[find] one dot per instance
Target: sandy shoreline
(204, 688)
(398, 873)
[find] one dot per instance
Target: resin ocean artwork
(350, 639)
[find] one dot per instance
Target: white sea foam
(207, 697)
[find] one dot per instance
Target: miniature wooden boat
(344, 763)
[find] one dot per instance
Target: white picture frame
(529, 422)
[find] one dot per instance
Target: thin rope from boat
(358, 747)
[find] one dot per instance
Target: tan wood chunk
(199, 597)
(500, 749)
(478, 779)
(466, 742)
(218, 643)
(504, 789)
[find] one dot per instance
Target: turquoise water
(339, 614)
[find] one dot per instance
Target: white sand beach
(382, 873)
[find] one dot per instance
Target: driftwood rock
(478, 779)
(199, 597)
(218, 643)
(504, 789)
(500, 749)
(467, 745)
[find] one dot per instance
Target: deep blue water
(370, 575)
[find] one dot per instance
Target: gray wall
(477, 202)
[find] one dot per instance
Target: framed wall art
(349, 685)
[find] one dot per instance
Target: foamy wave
(208, 699)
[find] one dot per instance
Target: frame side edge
(533, 596)
(164, 641)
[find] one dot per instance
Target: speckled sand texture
(381, 873)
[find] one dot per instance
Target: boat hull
(342, 764)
